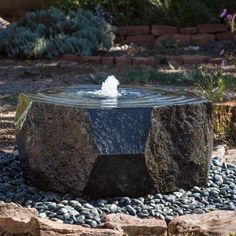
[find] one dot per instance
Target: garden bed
(125, 55)
(17, 76)
(191, 57)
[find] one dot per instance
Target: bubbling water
(109, 88)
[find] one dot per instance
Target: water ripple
(131, 97)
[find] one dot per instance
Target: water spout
(109, 87)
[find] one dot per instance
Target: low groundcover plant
(50, 33)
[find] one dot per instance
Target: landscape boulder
(215, 223)
(107, 152)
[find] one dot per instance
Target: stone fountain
(108, 142)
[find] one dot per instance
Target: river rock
(16, 220)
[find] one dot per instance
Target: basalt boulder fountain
(105, 143)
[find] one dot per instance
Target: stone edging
(154, 35)
(122, 61)
(16, 220)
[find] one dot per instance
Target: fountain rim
(190, 98)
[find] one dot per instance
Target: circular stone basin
(85, 96)
(73, 140)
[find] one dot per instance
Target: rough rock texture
(225, 36)
(133, 226)
(15, 220)
(194, 59)
(179, 146)
(108, 60)
(160, 30)
(212, 28)
(82, 59)
(115, 152)
(47, 227)
(188, 30)
(213, 223)
(140, 39)
(51, 140)
(133, 30)
(202, 39)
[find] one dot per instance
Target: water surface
(86, 96)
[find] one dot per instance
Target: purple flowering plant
(230, 19)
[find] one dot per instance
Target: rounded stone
(42, 215)
(113, 208)
(131, 210)
(52, 206)
(75, 203)
(93, 224)
(62, 211)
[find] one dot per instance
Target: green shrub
(211, 83)
(136, 76)
(155, 76)
(182, 13)
(230, 5)
(214, 84)
(50, 33)
(169, 12)
(123, 12)
(222, 124)
(67, 5)
(215, 6)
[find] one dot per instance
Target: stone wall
(155, 35)
(125, 61)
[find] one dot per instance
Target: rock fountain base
(150, 141)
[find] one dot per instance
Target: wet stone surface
(220, 193)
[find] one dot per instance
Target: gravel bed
(220, 193)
